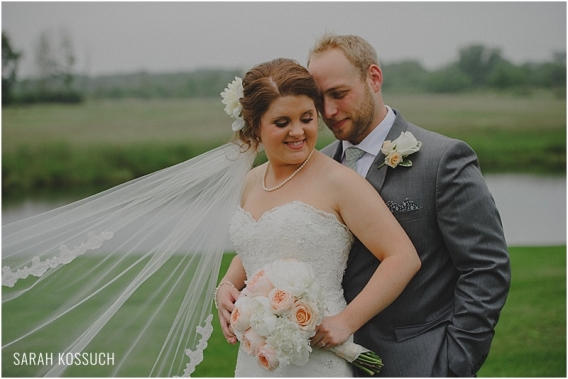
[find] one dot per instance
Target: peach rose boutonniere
(277, 313)
(397, 151)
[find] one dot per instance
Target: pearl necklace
(287, 179)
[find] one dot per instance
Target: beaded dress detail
(300, 231)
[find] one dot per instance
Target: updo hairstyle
(265, 83)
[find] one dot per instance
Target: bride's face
(289, 129)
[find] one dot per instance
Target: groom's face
(348, 104)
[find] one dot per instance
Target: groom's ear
(375, 77)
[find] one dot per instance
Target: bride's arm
(227, 293)
(365, 213)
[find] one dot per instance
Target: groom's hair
(268, 81)
(357, 50)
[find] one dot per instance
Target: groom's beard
(361, 118)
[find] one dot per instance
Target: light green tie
(352, 155)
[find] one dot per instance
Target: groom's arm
(472, 229)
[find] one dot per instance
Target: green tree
(55, 65)
(506, 75)
(404, 76)
(9, 69)
(448, 80)
(68, 60)
(477, 62)
(46, 64)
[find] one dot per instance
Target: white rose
(292, 276)
(407, 144)
(262, 320)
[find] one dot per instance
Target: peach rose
(259, 284)
(280, 301)
(393, 159)
(387, 148)
(305, 315)
(252, 342)
(267, 358)
(240, 319)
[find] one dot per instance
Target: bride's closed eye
(284, 123)
(281, 123)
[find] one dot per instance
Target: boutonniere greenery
(396, 152)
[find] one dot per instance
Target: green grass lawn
(530, 338)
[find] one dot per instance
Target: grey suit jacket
(445, 317)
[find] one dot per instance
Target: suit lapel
(338, 152)
(376, 176)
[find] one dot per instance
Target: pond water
(532, 208)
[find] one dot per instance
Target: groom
(444, 321)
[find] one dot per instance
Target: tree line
(477, 67)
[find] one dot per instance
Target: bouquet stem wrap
(360, 357)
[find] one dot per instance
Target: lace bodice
(296, 230)
(300, 231)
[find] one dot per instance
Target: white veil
(127, 274)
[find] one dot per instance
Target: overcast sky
(113, 37)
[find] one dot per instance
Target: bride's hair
(266, 82)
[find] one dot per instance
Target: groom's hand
(226, 297)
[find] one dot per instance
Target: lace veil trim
(38, 268)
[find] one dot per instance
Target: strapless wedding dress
(300, 231)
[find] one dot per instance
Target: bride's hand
(226, 297)
(330, 333)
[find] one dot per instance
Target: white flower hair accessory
(397, 151)
(233, 107)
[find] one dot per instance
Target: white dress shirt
(372, 144)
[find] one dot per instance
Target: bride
(122, 283)
(304, 205)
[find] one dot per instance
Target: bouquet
(277, 314)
